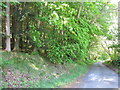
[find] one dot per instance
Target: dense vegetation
(61, 32)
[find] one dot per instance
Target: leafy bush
(66, 37)
(66, 53)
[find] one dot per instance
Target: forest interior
(49, 44)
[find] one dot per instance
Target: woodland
(41, 38)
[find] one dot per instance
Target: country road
(99, 76)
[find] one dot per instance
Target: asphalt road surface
(99, 76)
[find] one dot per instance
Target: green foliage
(56, 31)
(66, 37)
(67, 53)
(115, 57)
(2, 5)
(70, 38)
(4, 62)
(35, 36)
(56, 28)
(33, 71)
(103, 56)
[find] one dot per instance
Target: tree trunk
(1, 30)
(16, 48)
(16, 24)
(8, 46)
(17, 36)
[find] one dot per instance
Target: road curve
(99, 76)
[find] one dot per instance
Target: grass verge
(21, 70)
(113, 67)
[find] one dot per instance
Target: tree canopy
(62, 31)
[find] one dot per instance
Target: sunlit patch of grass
(33, 66)
(65, 78)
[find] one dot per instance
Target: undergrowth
(115, 67)
(24, 70)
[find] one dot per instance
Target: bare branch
(79, 10)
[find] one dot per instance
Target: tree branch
(80, 7)
(93, 21)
